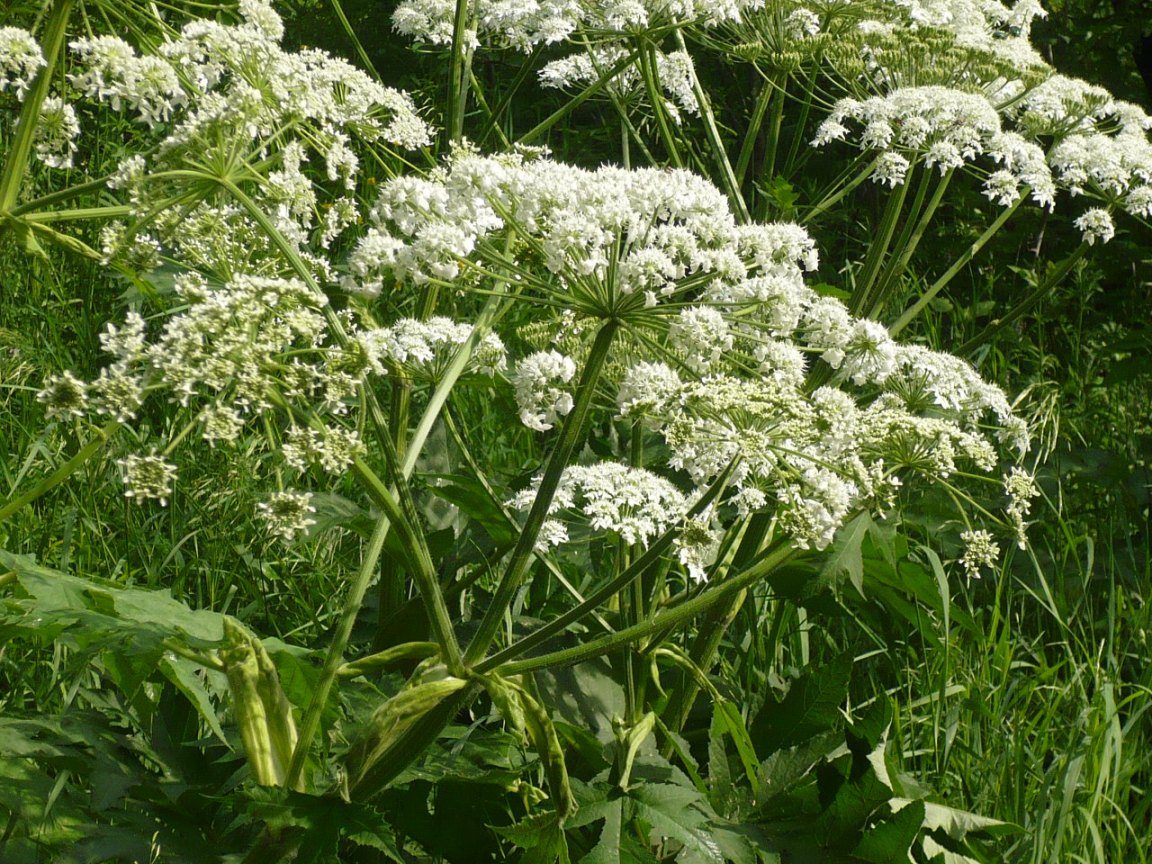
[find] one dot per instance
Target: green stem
(971, 252)
(731, 183)
(78, 214)
(748, 148)
(458, 80)
(401, 513)
(745, 546)
(71, 192)
(878, 248)
(1035, 296)
(62, 473)
(498, 503)
(478, 92)
(651, 78)
(493, 123)
(833, 198)
(798, 140)
(772, 145)
(570, 436)
(383, 659)
(20, 150)
(670, 618)
(334, 657)
(492, 310)
(338, 8)
(909, 239)
(705, 646)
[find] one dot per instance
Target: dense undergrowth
(657, 432)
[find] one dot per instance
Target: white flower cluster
(524, 24)
(1043, 131)
(815, 459)
(20, 60)
(56, 133)
(63, 396)
(632, 503)
(240, 348)
(1116, 168)
(980, 550)
(539, 380)
(1096, 225)
(1021, 488)
(237, 338)
(287, 514)
(110, 70)
(990, 27)
(577, 71)
(234, 91)
(147, 477)
(602, 236)
(425, 347)
(333, 448)
(946, 127)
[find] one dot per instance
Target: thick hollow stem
(727, 175)
(570, 106)
(20, 150)
(878, 248)
(916, 224)
(752, 133)
(334, 658)
(458, 74)
(571, 435)
(651, 76)
(638, 567)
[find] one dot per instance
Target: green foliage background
(1024, 698)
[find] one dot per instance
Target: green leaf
(845, 559)
(137, 620)
(721, 792)
(336, 511)
(855, 800)
(321, 821)
(542, 835)
(609, 848)
(185, 675)
(782, 772)
(474, 501)
(675, 813)
(868, 733)
(811, 706)
(890, 841)
(957, 824)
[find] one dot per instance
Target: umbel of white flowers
(730, 328)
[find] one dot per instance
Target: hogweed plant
(558, 413)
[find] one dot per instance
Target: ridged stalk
(572, 433)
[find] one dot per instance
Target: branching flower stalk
(571, 435)
(671, 617)
(20, 148)
(748, 415)
(927, 296)
(728, 176)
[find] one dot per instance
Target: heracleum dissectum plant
(641, 311)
